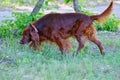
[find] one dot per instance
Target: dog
(57, 28)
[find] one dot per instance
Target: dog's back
(57, 21)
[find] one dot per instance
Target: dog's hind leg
(98, 43)
(81, 40)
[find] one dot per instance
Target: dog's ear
(34, 33)
(33, 28)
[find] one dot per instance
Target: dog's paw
(103, 54)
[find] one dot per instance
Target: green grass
(18, 62)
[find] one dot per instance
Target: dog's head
(30, 34)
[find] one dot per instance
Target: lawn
(18, 62)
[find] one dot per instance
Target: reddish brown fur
(58, 27)
(88, 34)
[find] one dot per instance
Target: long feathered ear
(34, 33)
(33, 26)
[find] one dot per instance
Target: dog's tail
(104, 16)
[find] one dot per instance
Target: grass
(18, 62)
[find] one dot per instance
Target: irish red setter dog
(58, 27)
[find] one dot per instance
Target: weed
(111, 24)
(16, 26)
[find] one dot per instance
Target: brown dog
(58, 27)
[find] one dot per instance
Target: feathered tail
(104, 16)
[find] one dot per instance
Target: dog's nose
(21, 42)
